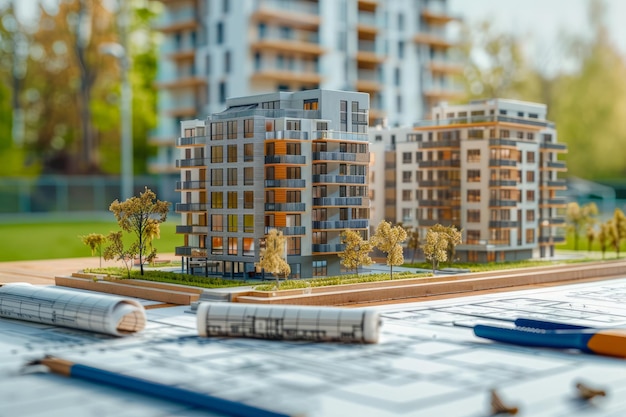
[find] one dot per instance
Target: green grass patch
(169, 277)
(54, 240)
(338, 280)
(496, 266)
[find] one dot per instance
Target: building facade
(489, 168)
(396, 51)
(296, 162)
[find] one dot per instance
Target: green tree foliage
(387, 239)
(95, 242)
(119, 252)
(272, 257)
(580, 218)
(141, 216)
(356, 252)
(589, 104)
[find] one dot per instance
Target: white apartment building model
(489, 167)
(395, 51)
(296, 162)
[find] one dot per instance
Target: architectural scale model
(489, 167)
(396, 51)
(296, 162)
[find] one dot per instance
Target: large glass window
(248, 176)
(217, 130)
(217, 245)
(232, 176)
(217, 223)
(217, 177)
(217, 200)
(248, 223)
(217, 154)
(248, 128)
(248, 199)
(232, 246)
(231, 129)
(319, 268)
(293, 246)
(232, 222)
(232, 153)
(248, 152)
(248, 246)
(232, 199)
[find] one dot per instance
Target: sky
(540, 22)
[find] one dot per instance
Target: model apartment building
(398, 52)
(489, 167)
(297, 162)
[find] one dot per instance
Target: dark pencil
(154, 389)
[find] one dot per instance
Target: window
(530, 215)
(248, 246)
(473, 175)
(217, 154)
(406, 157)
(248, 223)
(220, 33)
(473, 216)
(530, 176)
(406, 195)
(293, 245)
(227, 62)
(293, 125)
(294, 196)
(217, 177)
(231, 129)
(418, 156)
(232, 199)
(530, 235)
(530, 195)
(248, 176)
(248, 152)
(530, 157)
(232, 222)
(232, 153)
(217, 223)
(248, 128)
(217, 200)
(473, 195)
(311, 104)
(217, 130)
(473, 237)
(406, 176)
(473, 155)
(319, 268)
(222, 87)
(232, 246)
(217, 245)
(232, 176)
(248, 199)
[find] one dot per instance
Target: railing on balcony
(195, 162)
(437, 203)
(194, 140)
(557, 165)
(485, 119)
(502, 203)
(440, 144)
(503, 224)
(288, 134)
(191, 185)
(336, 135)
(502, 163)
(439, 183)
(338, 201)
(339, 179)
(502, 142)
(554, 146)
(295, 183)
(451, 163)
(341, 224)
(288, 231)
(285, 159)
(327, 247)
(191, 251)
(183, 207)
(502, 183)
(334, 156)
(194, 229)
(285, 207)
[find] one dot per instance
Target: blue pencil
(153, 389)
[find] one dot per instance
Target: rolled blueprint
(94, 312)
(288, 322)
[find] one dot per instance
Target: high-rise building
(489, 167)
(296, 162)
(396, 51)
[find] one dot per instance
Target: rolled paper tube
(319, 324)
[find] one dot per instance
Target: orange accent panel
(280, 172)
(280, 148)
(280, 195)
(280, 219)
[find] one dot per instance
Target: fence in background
(69, 196)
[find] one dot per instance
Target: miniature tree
(388, 239)
(591, 236)
(95, 242)
(579, 217)
(141, 216)
(436, 247)
(272, 257)
(603, 237)
(454, 237)
(413, 241)
(117, 251)
(619, 229)
(356, 252)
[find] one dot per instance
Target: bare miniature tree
(273, 255)
(356, 252)
(580, 217)
(141, 216)
(117, 251)
(388, 239)
(95, 242)
(436, 247)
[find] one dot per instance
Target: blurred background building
(396, 51)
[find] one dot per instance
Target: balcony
(368, 5)
(437, 203)
(333, 156)
(448, 163)
(182, 82)
(331, 135)
(436, 17)
(442, 94)
(340, 224)
(553, 147)
(499, 143)
(189, 163)
(191, 251)
(291, 183)
(439, 183)
(502, 183)
(192, 230)
(432, 40)
(327, 248)
(439, 67)
(285, 207)
(502, 203)
(338, 201)
(451, 143)
(502, 163)
(289, 230)
(503, 224)
(178, 21)
(304, 15)
(367, 27)
(556, 165)
(287, 134)
(292, 46)
(285, 159)
(191, 207)
(190, 185)
(303, 75)
(192, 141)
(339, 179)
(551, 202)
